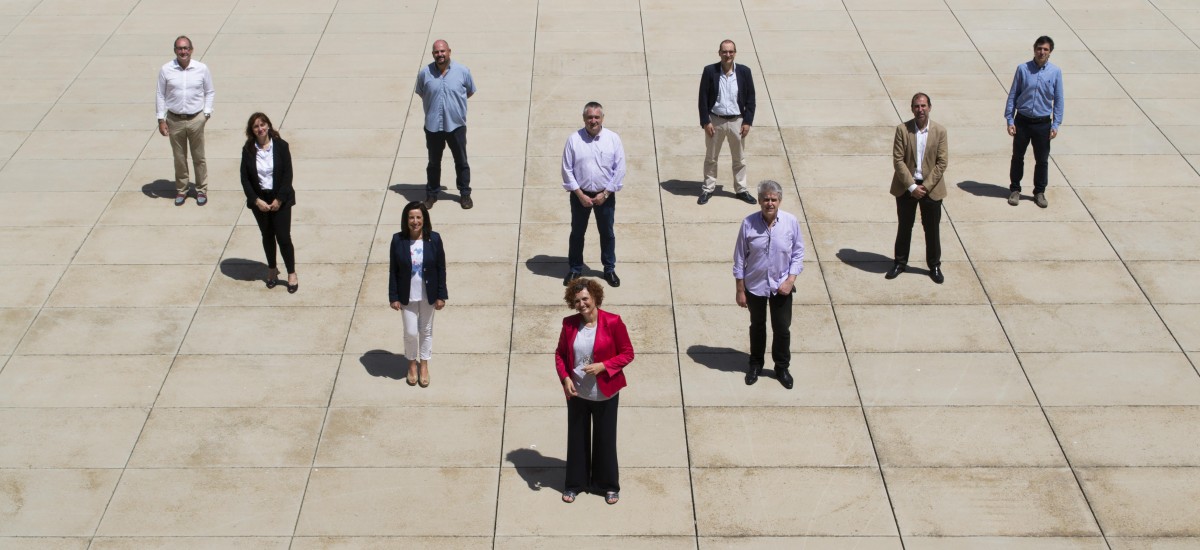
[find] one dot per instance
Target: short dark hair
(727, 41)
(928, 101)
(182, 37)
(580, 284)
(250, 126)
(1043, 39)
(426, 228)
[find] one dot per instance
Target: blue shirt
(444, 96)
(1036, 92)
(764, 255)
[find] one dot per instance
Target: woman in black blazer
(267, 180)
(417, 285)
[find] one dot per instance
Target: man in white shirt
(185, 92)
(920, 157)
(593, 168)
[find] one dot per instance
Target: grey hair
(770, 186)
(593, 105)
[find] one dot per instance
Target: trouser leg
(737, 150)
(435, 144)
(457, 141)
(177, 135)
(1040, 137)
(579, 223)
(605, 476)
(195, 137)
(781, 330)
(605, 219)
(931, 220)
(266, 226)
(1016, 169)
(906, 215)
(579, 438)
(282, 220)
(758, 328)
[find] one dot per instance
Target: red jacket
(612, 348)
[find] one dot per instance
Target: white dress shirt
(594, 164)
(264, 163)
(727, 94)
(184, 91)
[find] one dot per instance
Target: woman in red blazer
(266, 172)
(593, 349)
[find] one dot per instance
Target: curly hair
(579, 285)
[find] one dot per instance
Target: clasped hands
(264, 207)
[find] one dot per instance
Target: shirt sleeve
(1059, 101)
(210, 93)
(797, 264)
(160, 96)
(739, 253)
(618, 168)
(568, 166)
(469, 83)
(1013, 90)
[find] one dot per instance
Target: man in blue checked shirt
(1034, 111)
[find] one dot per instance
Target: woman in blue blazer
(417, 286)
(267, 181)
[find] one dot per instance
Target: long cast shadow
(866, 261)
(685, 188)
(989, 190)
(539, 471)
(554, 266)
(722, 359)
(241, 269)
(384, 364)
(159, 189)
(410, 191)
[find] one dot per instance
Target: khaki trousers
(188, 134)
(731, 128)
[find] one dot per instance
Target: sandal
(412, 378)
(568, 496)
(612, 497)
(424, 380)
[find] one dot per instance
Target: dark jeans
(931, 217)
(781, 329)
(605, 216)
(436, 143)
(277, 226)
(592, 445)
(1036, 131)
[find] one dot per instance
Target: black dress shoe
(752, 373)
(704, 198)
(613, 280)
(935, 273)
(896, 270)
(570, 276)
(747, 197)
(784, 377)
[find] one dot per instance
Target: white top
(727, 94)
(184, 91)
(922, 137)
(585, 384)
(416, 286)
(264, 162)
(593, 163)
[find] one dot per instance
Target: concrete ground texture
(154, 394)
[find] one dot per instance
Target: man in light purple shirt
(767, 257)
(593, 167)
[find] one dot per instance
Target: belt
(919, 182)
(591, 194)
(1032, 119)
(185, 117)
(726, 117)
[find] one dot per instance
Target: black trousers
(277, 226)
(780, 306)
(931, 217)
(1036, 131)
(436, 143)
(592, 445)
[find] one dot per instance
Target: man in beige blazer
(920, 156)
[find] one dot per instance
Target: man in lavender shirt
(767, 257)
(593, 168)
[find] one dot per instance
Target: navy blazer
(433, 269)
(710, 89)
(281, 180)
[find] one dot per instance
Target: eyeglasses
(182, 48)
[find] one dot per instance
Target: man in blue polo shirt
(1034, 111)
(444, 88)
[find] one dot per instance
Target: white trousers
(725, 128)
(418, 330)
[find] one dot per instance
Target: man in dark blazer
(726, 107)
(920, 157)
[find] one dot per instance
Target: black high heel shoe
(272, 280)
